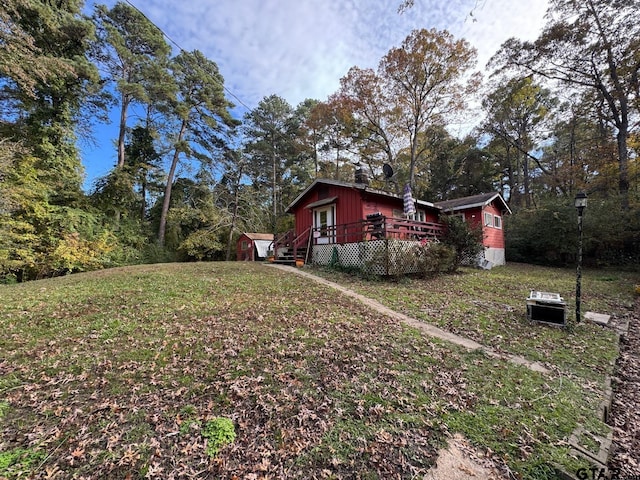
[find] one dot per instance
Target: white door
(324, 224)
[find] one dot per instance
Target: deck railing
(376, 228)
(377, 244)
(292, 244)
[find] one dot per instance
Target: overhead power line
(171, 40)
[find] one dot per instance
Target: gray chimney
(361, 176)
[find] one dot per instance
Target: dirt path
(425, 328)
(461, 462)
(625, 408)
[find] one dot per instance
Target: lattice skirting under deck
(377, 257)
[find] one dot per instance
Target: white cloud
(300, 48)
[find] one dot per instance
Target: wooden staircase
(289, 249)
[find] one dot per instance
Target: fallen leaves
(625, 408)
(121, 380)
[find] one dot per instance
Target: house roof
(324, 201)
(358, 186)
(473, 201)
(259, 236)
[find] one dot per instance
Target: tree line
(558, 115)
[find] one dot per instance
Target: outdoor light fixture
(580, 203)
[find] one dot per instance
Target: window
(421, 216)
(460, 216)
(322, 222)
(244, 245)
(488, 220)
(398, 213)
(497, 221)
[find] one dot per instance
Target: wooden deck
(288, 247)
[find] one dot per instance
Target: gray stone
(599, 318)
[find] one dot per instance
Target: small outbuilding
(254, 246)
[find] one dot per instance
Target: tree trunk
(623, 166)
(234, 216)
(167, 191)
(275, 194)
(143, 193)
(122, 129)
(526, 180)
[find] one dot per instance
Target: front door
(324, 222)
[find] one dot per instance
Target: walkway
(425, 328)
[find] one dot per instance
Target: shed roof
(259, 236)
(472, 201)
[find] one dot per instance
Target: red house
(487, 210)
(339, 219)
(328, 206)
(253, 246)
(356, 225)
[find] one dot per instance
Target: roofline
(250, 235)
(357, 186)
(479, 204)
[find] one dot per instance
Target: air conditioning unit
(546, 307)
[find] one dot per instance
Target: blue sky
(300, 49)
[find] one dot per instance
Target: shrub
(218, 432)
(435, 258)
(548, 234)
(464, 239)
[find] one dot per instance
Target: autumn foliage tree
(515, 114)
(590, 46)
(418, 85)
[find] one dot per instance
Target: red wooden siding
(348, 206)
(352, 206)
(386, 206)
(493, 236)
(473, 216)
(244, 254)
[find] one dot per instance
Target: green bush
(548, 234)
(435, 258)
(218, 432)
(464, 239)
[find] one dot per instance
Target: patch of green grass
(524, 416)
(489, 307)
(4, 407)
(15, 462)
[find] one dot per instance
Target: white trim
(328, 228)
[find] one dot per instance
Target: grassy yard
(132, 373)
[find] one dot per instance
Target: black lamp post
(581, 204)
